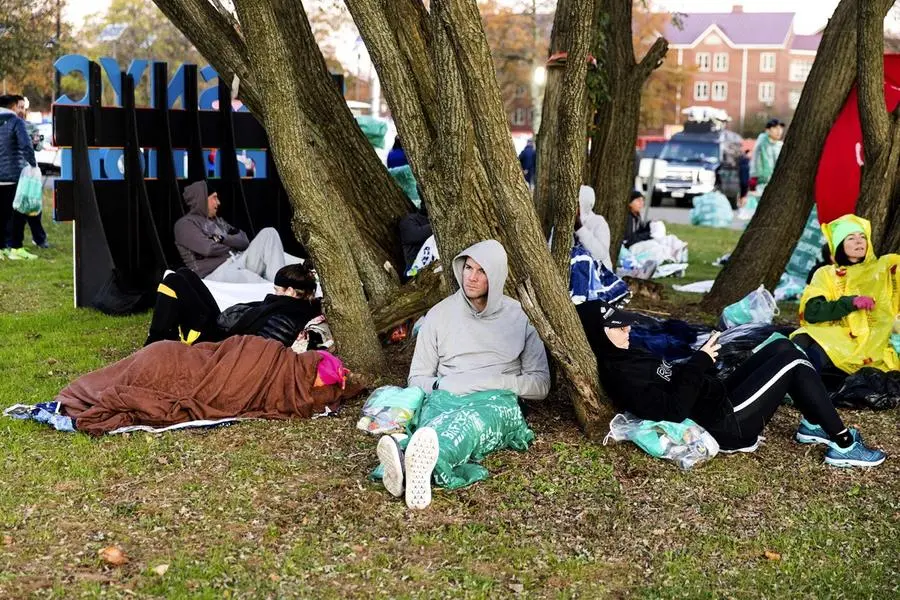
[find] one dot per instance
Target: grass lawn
(283, 509)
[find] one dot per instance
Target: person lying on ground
(591, 229)
(735, 410)
(636, 228)
(477, 339)
(218, 251)
(848, 311)
(186, 310)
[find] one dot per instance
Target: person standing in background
(16, 151)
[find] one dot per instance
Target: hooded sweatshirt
(203, 242)
(465, 351)
(594, 231)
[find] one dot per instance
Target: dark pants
(183, 305)
(831, 376)
(7, 194)
(757, 388)
(15, 231)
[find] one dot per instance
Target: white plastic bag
(758, 306)
(28, 191)
(685, 443)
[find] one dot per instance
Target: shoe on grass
(855, 455)
(421, 456)
(45, 244)
(391, 458)
(807, 433)
(20, 254)
(746, 449)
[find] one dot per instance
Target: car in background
(49, 158)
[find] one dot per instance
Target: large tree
(439, 80)
(766, 245)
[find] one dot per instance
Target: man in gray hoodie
(478, 339)
(218, 251)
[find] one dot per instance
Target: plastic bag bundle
(407, 182)
(469, 428)
(746, 212)
(685, 443)
(869, 388)
(808, 250)
(28, 192)
(390, 409)
(712, 210)
(756, 307)
(374, 129)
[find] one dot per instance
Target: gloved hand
(864, 303)
(754, 181)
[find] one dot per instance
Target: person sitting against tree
(591, 229)
(636, 228)
(415, 229)
(186, 310)
(850, 311)
(475, 340)
(218, 251)
(734, 410)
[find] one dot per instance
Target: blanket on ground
(169, 382)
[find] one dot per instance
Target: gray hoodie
(467, 351)
(205, 243)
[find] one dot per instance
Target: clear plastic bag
(758, 306)
(28, 191)
(685, 443)
(390, 409)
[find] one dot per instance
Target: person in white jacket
(593, 232)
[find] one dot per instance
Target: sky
(77, 10)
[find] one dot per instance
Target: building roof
(741, 28)
(806, 42)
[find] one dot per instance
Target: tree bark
(541, 288)
(881, 132)
(618, 116)
(271, 28)
(766, 245)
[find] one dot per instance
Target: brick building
(745, 63)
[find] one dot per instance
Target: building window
(519, 116)
(767, 92)
(720, 64)
(800, 70)
(703, 61)
(767, 62)
(794, 99)
(701, 90)
(720, 91)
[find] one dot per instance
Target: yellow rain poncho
(862, 338)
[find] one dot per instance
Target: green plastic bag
(469, 428)
(375, 130)
(407, 182)
(28, 192)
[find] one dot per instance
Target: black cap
(774, 123)
(614, 317)
(635, 194)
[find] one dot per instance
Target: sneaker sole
(421, 456)
(810, 439)
(746, 450)
(849, 462)
(389, 456)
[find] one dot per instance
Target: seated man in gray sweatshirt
(475, 340)
(218, 251)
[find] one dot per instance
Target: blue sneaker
(857, 455)
(807, 433)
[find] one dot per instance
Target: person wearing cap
(218, 251)
(477, 339)
(849, 312)
(186, 310)
(734, 410)
(636, 228)
(765, 153)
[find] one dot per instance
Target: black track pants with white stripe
(756, 390)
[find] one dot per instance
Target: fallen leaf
(274, 577)
(7, 540)
(517, 588)
(113, 555)
(772, 555)
(160, 569)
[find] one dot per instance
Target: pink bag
(330, 370)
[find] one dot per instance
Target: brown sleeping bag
(168, 382)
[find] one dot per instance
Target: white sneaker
(747, 449)
(389, 455)
(421, 456)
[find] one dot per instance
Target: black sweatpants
(757, 388)
(184, 305)
(15, 230)
(7, 195)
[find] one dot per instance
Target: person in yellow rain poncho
(850, 311)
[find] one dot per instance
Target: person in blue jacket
(16, 151)
(397, 156)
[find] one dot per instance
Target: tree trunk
(766, 245)
(618, 115)
(271, 28)
(541, 288)
(881, 133)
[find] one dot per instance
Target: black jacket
(649, 387)
(415, 228)
(279, 318)
(636, 230)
